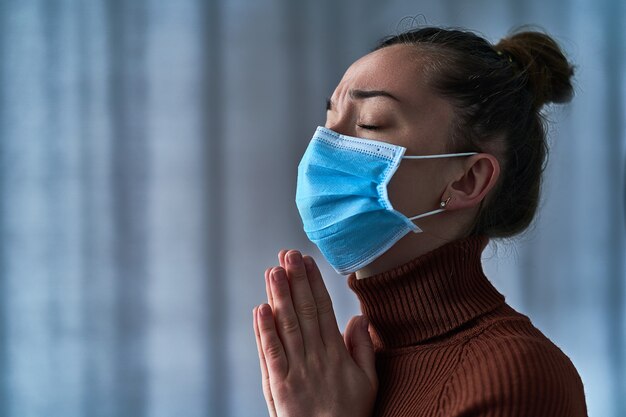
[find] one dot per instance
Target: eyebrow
(363, 94)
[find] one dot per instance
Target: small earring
(443, 204)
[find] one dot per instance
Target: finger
(281, 257)
(303, 300)
(268, 288)
(331, 336)
(359, 344)
(267, 392)
(271, 345)
(285, 316)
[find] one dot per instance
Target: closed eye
(369, 127)
(329, 104)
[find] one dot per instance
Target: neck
(413, 245)
(429, 296)
(409, 247)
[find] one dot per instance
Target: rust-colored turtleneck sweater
(448, 345)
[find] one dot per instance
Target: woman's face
(384, 96)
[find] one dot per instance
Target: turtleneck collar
(428, 296)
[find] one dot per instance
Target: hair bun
(541, 61)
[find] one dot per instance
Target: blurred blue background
(148, 154)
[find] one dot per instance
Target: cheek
(329, 120)
(415, 189)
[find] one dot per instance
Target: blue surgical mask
(342, 198)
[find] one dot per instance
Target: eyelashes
(368, 127)
(329, 104)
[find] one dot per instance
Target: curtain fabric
(148, 153)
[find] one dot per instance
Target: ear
(479, 176)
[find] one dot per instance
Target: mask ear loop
(443, 205)
(447, 155)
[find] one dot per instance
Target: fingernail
(294, 257)
(278, 274)
(265, 310)
(308, 261)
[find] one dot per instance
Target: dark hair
(498, 92)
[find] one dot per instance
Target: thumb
(359, 344)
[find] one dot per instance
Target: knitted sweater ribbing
(448, 345)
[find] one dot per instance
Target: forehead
(422, 116)
(399, 69)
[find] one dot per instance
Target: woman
(438, 132)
